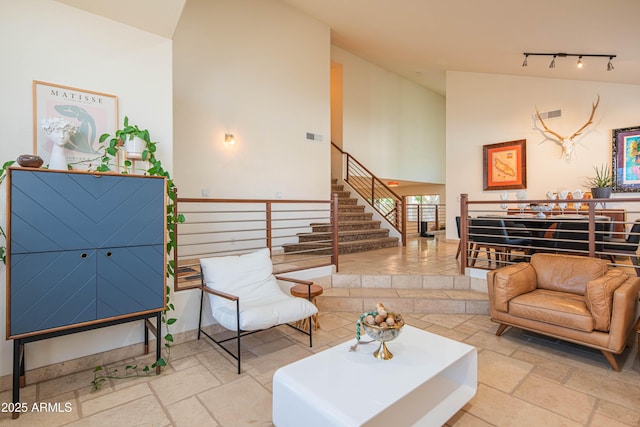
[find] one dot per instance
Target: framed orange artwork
(505, 165)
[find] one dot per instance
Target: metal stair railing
(377, 194)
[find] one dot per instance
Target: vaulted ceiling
(422, 39)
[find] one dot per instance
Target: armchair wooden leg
(459, 250)
(501, 329)
(611, 359)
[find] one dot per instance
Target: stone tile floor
(524, 380)
(433, 256)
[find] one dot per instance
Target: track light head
(580, 64)
(524, 63)
(610, 64)
(553, 62)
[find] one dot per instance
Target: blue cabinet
(83, 248)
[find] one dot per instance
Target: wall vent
(554, 114)
(314, 137)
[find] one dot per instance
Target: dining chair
(471, 245)
(625, 247)
(573, 236)
(492, 233)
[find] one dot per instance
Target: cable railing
(221, 227)
(497, 233)
(425, 218)
(377, 194)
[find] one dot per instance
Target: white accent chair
(246, 297)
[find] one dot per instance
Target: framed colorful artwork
(505, 165)
(626, 159)
(82, 114)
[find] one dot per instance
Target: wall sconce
(229, 138)
(579, 64)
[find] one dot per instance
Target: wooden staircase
(357, 231)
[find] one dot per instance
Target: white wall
(47, 41)
(487, 109)
(390, 124)
(260, 70)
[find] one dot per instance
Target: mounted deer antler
(567, 142)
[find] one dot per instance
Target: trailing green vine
(109, 158)
(3, 248)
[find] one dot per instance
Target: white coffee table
(428, 380)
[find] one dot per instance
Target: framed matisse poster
(626, 159)
(84, 115)
(505, 165)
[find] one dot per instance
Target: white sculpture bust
(59, 131)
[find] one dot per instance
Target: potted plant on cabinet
(112, 144)
(601, 183)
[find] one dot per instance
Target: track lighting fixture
(579, 64)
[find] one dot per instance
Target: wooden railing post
(334, 236)
(175, 233)
(403, 210)
(464, 228)
(592, 229)
(348, 168)
(373, 191)
(437, 218)
(269, 235)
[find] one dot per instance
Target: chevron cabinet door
(83, 249)
(60, 291)
(66, 211)
(130, 280)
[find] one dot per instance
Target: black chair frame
(240, 333)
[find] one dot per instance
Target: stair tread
(347, 243)
(364, 221)
(347, 232)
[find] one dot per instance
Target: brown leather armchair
(573, 298)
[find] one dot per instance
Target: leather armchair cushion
(558, 308)
(567, 273)
(599, 297)
(512, 281)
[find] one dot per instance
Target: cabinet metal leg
(146, 338)
(18, 374)
(158, 339)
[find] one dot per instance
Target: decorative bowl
(30, 161)
(383, 334)
(541, 209)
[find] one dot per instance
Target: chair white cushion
(262, 302)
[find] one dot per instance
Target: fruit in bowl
(383, 326)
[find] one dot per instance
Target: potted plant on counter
(601, 183)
